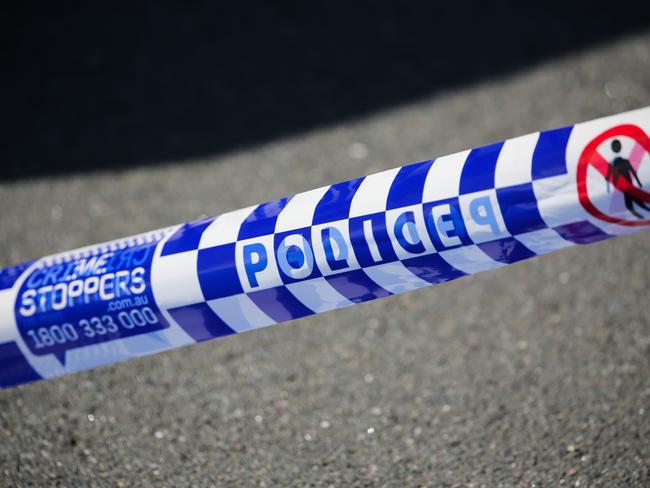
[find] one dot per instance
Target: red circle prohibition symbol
(591, 157)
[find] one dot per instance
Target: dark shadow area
(89, 87)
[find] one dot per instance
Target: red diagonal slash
(590, 156)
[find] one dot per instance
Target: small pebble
(57, 212)
(358, 150)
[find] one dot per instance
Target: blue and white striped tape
(328, 248)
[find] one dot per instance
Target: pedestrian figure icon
(621, 167)
(620, 155)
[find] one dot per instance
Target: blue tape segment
(262, 220)
(335, 204)
(14, 368)
(186, 238)
(478, 171)
(356, 286)
(508, 250)
(549, 158)
(9, 275)
(279, 304)
(379, 234)
(200, 322)
(519, 209)
(448, 223)
(581, 232)
(295, 256)
(432, 268)
(218, 272)
(408, 185)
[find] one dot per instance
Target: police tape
(372, 237)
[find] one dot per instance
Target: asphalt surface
(533, 375)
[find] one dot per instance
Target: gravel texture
(533, 375)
